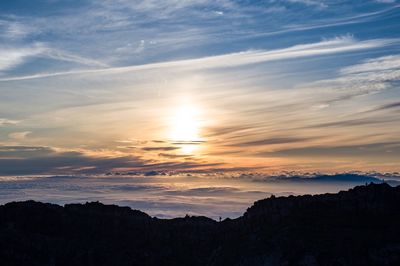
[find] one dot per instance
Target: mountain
(355, 227)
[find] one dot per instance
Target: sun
(185, 124)
(184, 129)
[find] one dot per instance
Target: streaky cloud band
(341, 44)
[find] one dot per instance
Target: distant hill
(356, 227)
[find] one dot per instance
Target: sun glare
(185, 128)
(185, 124)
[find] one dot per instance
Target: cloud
(189, 142)
(174, 156)
(24, 151)
(158, 141)
(12, 57)
(385, 1)
(370, 76)
(387, 106)
(353, 122)
(330, 23)
(384, 64)
(5, 121)
(12, 30)
(275, 9)
(271, 141)
(19, 135)
(42, 160)
(226, 195)
(373, 150)
(132, 48)
(352, 179)
(166, 9)
(207, 191)
(220, 13)
(227, 129)
(317, 3)
(15, 160)
(187, 166)
(332, 46)
(160, 148)
(70, 57)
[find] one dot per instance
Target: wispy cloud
(160, 148)
(370, 76)
(385, 63)
(385, 1)
(384, 149)
(19, 135)
(331, 22)
(354, 122)
(317, 3)
(16, 160)
(325, 47)
(5, 121)
(13, 30)
(389, 106)
(12, 57)
(66, 56)
(174, 156)
(271, 141)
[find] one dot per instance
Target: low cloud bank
(166, 196)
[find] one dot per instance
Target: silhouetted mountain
(356, 227)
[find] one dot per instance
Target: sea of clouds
(167, 196)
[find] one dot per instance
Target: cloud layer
(177, 195)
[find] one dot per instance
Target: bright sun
(185, 124)
(185, 127)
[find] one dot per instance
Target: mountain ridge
(354, 227)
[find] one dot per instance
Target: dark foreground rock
(356, 227)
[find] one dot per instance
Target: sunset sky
(97, 86)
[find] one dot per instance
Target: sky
(199, 86)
